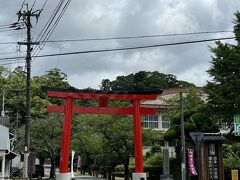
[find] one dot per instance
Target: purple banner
(191, 164)
(79, 162)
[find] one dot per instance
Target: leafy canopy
(224, 88)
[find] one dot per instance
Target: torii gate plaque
(68, 108)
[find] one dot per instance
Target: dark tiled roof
(213, 137)
(134, 91)
(178, 90)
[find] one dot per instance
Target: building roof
(213, 137)
(134, 91)
(160, 102)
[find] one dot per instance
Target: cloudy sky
(85, 19)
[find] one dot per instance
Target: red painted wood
(96, 110)
(65, 147)
(103, 108)
(77, 95)
(137, 137)
(103, 102)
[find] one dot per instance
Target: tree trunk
(52, 171)
(126, 170)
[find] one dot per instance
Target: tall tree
(196, 115)
(46, 137)
(224, 88)
(107, 140)
(143, 81)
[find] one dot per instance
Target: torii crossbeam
(103, 98)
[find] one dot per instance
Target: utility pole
(183, 165)
(26, 17)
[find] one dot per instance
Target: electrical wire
(11, 29)
(13, 52)
(127, 48)
(6, 47)
(127, 37)
(9, 24)
(33, 5)
(22, 5)
(4, 64)
(47, 25)
(44, 5)
(140, 37)
(56, 22)
(136, 47)
(52, 25)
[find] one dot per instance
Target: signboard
(196, 136)
(234, 174)
(237, 125)
(212, 162)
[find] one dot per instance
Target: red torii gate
(68, 108)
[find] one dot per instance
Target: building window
(165, 124)
(150, 121)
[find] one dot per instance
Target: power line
(44, 5)
(5, 64)
(12, 24)
(141, 36)
(135, 47)
(33, 5)
(129, 37)
(128, 48)
(22, 4)
(13, 52)
(16, 29)
(6, 47)
(52, 25)
(47, 25)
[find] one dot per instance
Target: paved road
(87, 177)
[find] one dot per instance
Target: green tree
(107, 140)
(14, 91)
(196, 115)
(14, 88)
(143, 81)
(116, 145)
(46, 138)
(224, 88)
(232, 155)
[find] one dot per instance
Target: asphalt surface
(87, 177)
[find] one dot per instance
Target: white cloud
(105, 18)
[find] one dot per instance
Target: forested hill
(144, 81)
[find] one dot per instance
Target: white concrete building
(159, 122)
(6, 154)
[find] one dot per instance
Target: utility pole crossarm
(26, 43)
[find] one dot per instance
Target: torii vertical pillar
(65, 147)
(138, 175)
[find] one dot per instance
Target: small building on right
(211, 151)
